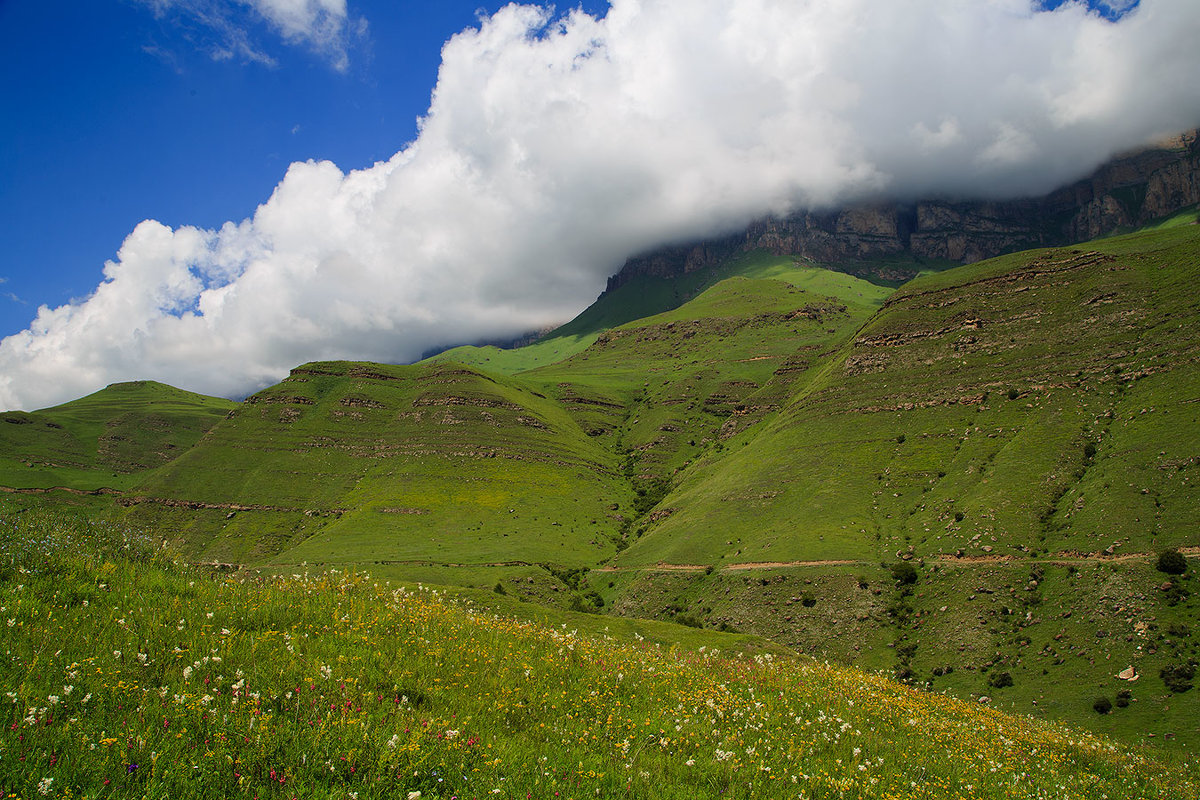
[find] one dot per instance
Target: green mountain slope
(105, 439)
(760, 452)
(1024, 433)
(993, 406)
(352, 462)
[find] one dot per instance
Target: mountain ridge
(891, 241)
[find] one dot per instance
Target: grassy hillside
(105, 439)
(646, 296)
(988, 409)
(335, 686)
(1023, 432)
(352, 463)
(760, 453)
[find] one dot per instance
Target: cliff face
(1131, 190)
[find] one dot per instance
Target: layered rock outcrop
(1130, 190)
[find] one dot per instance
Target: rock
(1128, 674)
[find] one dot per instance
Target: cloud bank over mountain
(555, 147)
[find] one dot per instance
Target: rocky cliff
(879, 239)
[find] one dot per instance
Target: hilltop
(106, 438)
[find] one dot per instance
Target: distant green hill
(353, 463)
(107, 439)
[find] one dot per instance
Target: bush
(1172, 562)
(1102, 705)
(1123, 698)
(808, 601)
(499, 589)
(1013, 394)
(1089, 451)
(1178, 677)
(904, 573)
(999, 680)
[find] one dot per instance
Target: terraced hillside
(107, 439)
(349, 462)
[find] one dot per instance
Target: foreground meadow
(125, 675)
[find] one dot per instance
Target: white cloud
(322, 25)
(553, 150)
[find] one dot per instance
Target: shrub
(1172, 562)
(999, 680)
(1102, 705)
(1089, 451)
(1178, 677)
(904, 573)
(900, 439)
(1123, 698)
(1013, 394)
(808, 601)
(499, 589)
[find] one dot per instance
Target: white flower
(44, 785)
(451, 734)
(414, 795)
(187, 672)
(53, 699)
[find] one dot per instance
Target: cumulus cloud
(322, 25)
(554, 148)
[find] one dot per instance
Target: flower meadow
(126, 675)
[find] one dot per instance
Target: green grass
(336, 686)
(1039, 407)
(105, 439)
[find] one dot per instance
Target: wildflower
(44, 785)
(414, 796)
(53, 699)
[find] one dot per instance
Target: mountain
(892, 241)
(964, 482)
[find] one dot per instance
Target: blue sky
(111, 114)
(559, 144)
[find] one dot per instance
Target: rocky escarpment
(875, 239)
